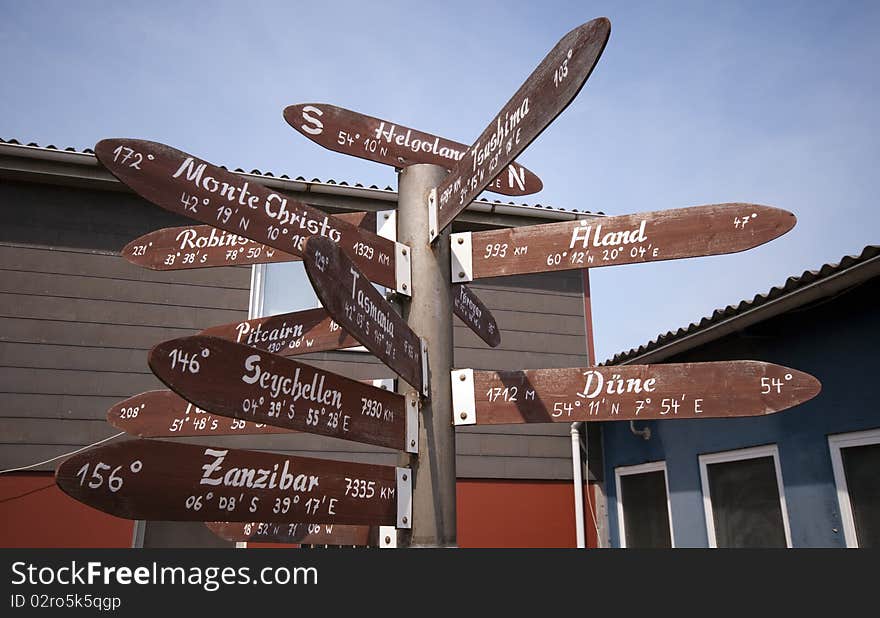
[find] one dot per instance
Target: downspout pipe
(577, 474)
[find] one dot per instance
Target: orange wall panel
(35, 513)
(499, 513)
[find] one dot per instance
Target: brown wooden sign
(164, 414)
(628, 392)
(235, 380)
(173, 481)
(543, 96)
(362, 311)
(287, 334)
(381, 141)
(196, 189)
(471, 310)
(625, 239)
(305, 534)
(205, 246)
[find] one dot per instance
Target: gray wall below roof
(77, 321)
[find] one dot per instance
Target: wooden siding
(77, 321)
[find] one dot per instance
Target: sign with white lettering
(543, 96)
(231, 379)
(362, 311)
(164, 414)
(304, 534)
(471, 310)
(625, 239)
(173, 481)
(287, 334)
(188, 186)
(205, 246)
(381, 141)
(628, 392)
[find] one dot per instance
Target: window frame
(644, 468)
(836, 443)
(741, 454)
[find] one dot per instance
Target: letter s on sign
(319, 126)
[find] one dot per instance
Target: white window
(744, 498)
(644, 515)
(284, 287)
(280, 288)
(855, 458)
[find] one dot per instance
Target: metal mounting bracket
(404, 497)
(461, 263)
(433, 225)
(426, 385)
(386, 384)
(387, 537)
(412, 422)
(463, 401)
(386, 224)
(402, 269)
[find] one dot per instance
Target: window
(855, 458)
(281, 288)
(643, 512)
(284, 287)
(744, 499)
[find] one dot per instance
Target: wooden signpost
(628, 392)
(242, 385)
(305, 534)
(362, 311)
(287, 334)
(610, 241)
(476, 315)
(164, 414)
(188, 186)
(381, 141)
(205, 246)
(543, 96)
(172, 481)
(235, 380)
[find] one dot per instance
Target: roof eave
(82, 170)
(821, 288)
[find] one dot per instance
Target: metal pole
(429, 313)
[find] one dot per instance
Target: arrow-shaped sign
(191, 187)
(628, 392)
(305, 534)
(363, 312)
(172, 481)
(235, 380)
(164, 414)
(543, 96)
(381, 141)
(205, 246)
(287, 334)
(609, 241)
(476, 315)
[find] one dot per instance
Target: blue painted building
(805, 477)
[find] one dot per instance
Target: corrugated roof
(330, 181)
(792, 285)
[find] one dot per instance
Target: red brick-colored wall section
(498, 513)
(35, 513)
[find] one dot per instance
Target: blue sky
(692, 103)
